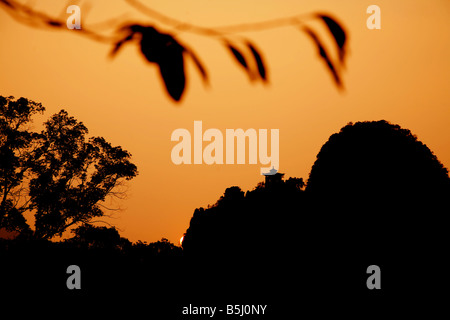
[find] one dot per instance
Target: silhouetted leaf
(119, 44)
(163, 50)
(171, 67)
(130, 31)
(238, 55)
(324, 55)
(338, 33)
(198, 64)
(8, 3)
(259, 61)
(152, 44)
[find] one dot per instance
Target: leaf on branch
(324, 56)
(171, 67)
(238, 56)
(198, 64)
(119, 44)
(54, 23)
(259, 61)
(338, 33)
(8, 3)
(163, 50)
(256, 70)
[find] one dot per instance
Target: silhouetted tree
(99, 238)
(246, 226)
(162, 248)
(67, 175)
(296, 182)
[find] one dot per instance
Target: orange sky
(400, 73)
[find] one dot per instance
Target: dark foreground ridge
(375, 196)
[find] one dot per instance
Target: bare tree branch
(169, 54)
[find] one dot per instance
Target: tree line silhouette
(375, 195)
(57, 173)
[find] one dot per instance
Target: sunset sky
(400, 73)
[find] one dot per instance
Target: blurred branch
(26, 15)
(169, 54)
(33, 18)
(296, 20)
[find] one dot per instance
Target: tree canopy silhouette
(165, 50)
(17, 153)
(247, 225)
(102, 238)
(58, 173)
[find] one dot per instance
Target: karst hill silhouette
(381, 178)
(242, 224)
(380, 196)
(375, 195)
